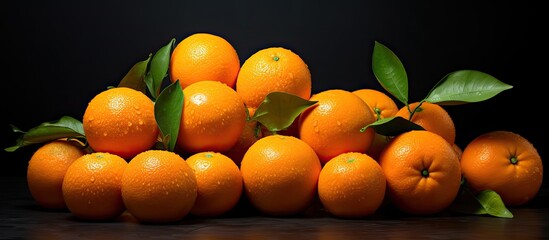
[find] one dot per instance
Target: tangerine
(280, 175)
(204, 56)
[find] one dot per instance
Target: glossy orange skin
(204, 56)
(219, 183)
(213, 118)
(280, 175)
(332, 126)
(120, 121)
(273, 69)
(487, 163)
(432, 117)
(404, 161)
(380, 103)
(351, 185)
(46, 170)
(159, 187)
(91, 186)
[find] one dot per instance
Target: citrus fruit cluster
(222, 131)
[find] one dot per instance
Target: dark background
(58, 55)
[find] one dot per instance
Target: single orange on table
(280, 175)
(213, 118)
(204, 56)
(91, 186)
(46, 170)
(120, 121)
(504, 162)
(273, 69)
(332, 125)
(432, 117)
(351, 185)
(158, 186)
(219, 183)
(423, 172)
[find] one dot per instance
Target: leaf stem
(415, 109)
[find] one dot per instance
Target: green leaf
(135, 78)
(160, 63)
(279, 110)
(465, 86)
(487, 202)
(390, 72)
(392, 126)
(167, 111)
(493, 204)
(65, 127)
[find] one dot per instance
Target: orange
(380, 103)
(247, 138)
(204, 56)
(158, 187)
(280, 175)
(91, 186)
(219, 183)
(422, 171)
(213, 118)
(432, 117)
(504, 162)
(273, 69)
(46, 170)
(120, 121)
(351, 185)
(332, 126)
(382, 107)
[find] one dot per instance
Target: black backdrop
(58, 55)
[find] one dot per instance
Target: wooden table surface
(21, 218)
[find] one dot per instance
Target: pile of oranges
(222, 154)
